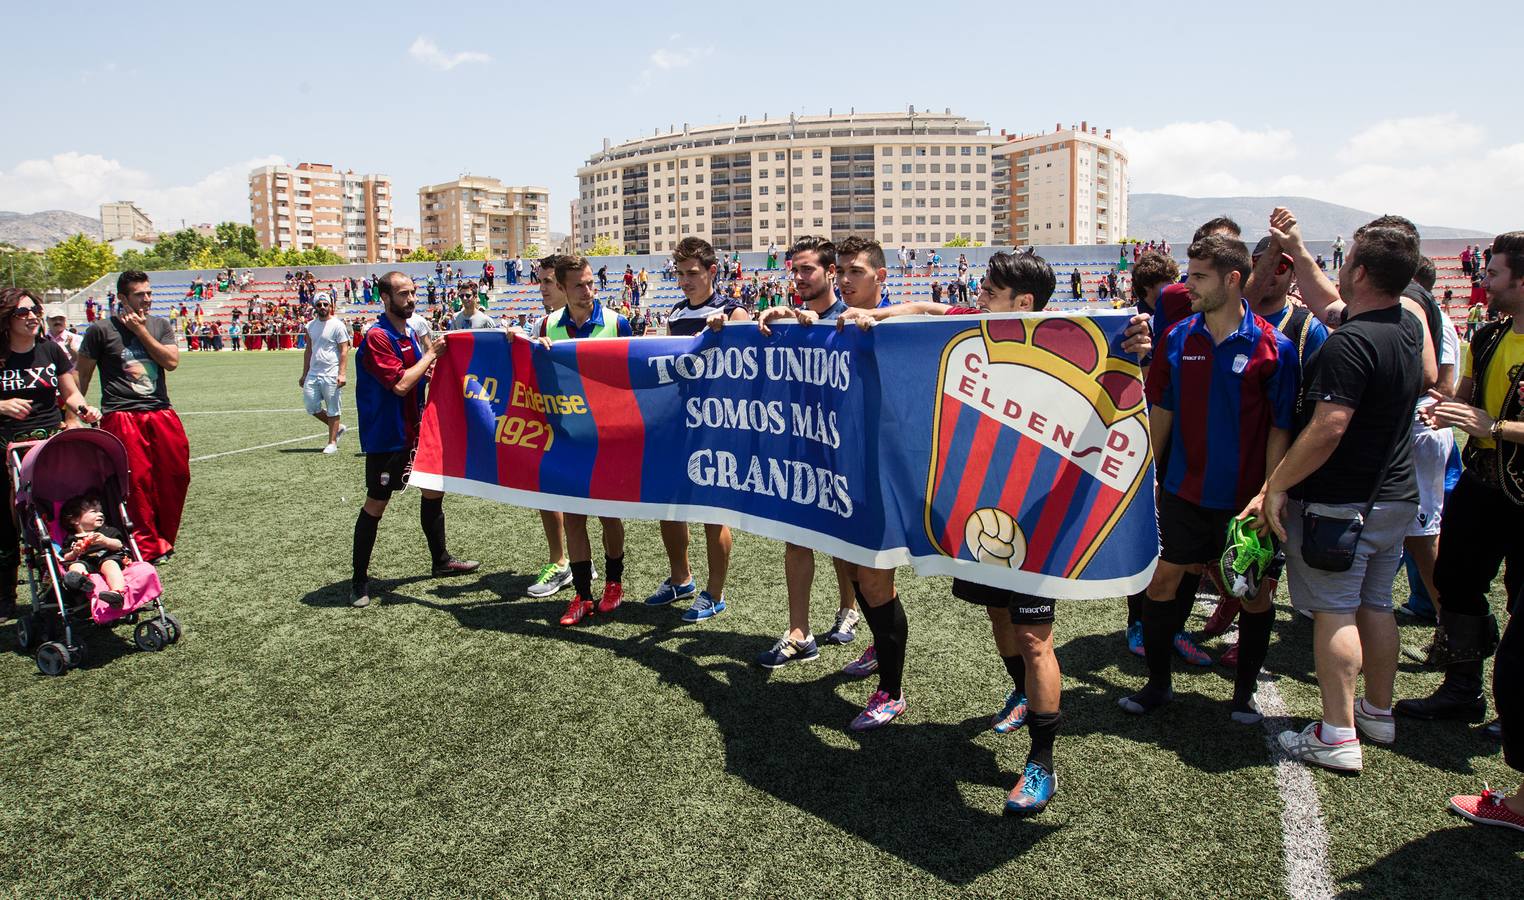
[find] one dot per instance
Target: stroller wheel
(130, 618)
(172, 628)
(77, 654)
(26, 631)
(52, 658)
(150, 635)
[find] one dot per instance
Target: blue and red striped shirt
(1225, 398)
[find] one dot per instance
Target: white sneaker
(1376, 729)
(342, 429)
(331, 448)
(1305, 745)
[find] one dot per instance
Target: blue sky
(1380, 106)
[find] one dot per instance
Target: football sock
(431, 517)
(1043, 727)
(365, 542)
(613, 569)
(582, 579)
(1016, 666)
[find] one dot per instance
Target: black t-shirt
(1373, 364)
(33, 376)
(93, 557)
(130, 379)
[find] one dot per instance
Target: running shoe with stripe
(704, 607)
(1135, 638)
(1032, 793)
(844, 629)
(788, 650)
(1189, 651)
(1377, 729)
(1012, 715)
(613, 595)
(579, 610)
(1308, 746)
(1487, 808)
(552, 579)
(880, 711)
(864, 665)
(670, 593)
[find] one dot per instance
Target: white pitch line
(234, 412)
(260, 447)
(1304, 834)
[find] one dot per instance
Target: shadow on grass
(899, 788)
(103, 643)
(1467, 860)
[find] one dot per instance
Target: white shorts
(321, 395)
(1431, 454)
(1368, 581)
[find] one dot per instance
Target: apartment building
(314, 205)
(404, 242)
(483, 214)
(905, 178)
(1067, 186)
(122, 219)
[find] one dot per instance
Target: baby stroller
(45, 475)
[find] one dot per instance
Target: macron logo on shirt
(1194, 358)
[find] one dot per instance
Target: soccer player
(134, 351)
(1222, 388)
(582, 318)
(696, 267)
(392, 371)
(556, 573)
(813, 264)
(1022, 623)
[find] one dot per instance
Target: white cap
(55, 311)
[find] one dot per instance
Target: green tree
(178, 249)
(207, 258)
(458, 252)
(231, 236)
(603, 246)
(532, 252)
(25, 269)
(959, 241)
(421, 254)
(77, 260)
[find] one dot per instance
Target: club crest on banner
(1040, 441)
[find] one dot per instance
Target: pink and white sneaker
(864, 665)
(880, 711)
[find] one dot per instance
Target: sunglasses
(25, 311)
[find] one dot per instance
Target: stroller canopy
(70, 463)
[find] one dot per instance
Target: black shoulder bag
(1329, 541)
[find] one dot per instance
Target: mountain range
(41, 230)
(1175, 218)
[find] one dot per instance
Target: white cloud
(666, 59)
(1435, 170)
(425, 51)
(81, 182)
(1418, 137)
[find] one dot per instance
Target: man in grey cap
(58, 330)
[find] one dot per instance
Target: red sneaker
(1230, 657)
(1226, 612)
(1487, 808)
(576, 611)
(613, 595)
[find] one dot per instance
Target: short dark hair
(1225, 254)
(1152, 269)
(1221, 223)
(127, 279)
(852, 245)
(387, 284)
(1388, 253)
(1510, 246)
(695, 248)
(821, 246)
(10, 296)
(1390, 221)
(568, 264)
(548, 264)
(467, 287)
(1022, 273)
(75, 507)
(1426, 274)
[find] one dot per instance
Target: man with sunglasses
(134, 350)
(325, 367)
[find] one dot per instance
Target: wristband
(1497, 430)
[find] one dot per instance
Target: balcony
(718, 180)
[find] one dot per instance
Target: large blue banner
(1010, 450)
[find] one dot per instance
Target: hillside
(39, 231)
(1174, 218)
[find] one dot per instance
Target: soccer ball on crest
(994, 538)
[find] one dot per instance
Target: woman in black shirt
(36, 374)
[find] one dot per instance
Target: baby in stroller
(97, 548)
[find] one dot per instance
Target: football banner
(1010, 450)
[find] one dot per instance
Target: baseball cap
(55, 311)
(1263, 245)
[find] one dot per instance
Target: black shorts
(387, 472)
(1025, 608)
(1191, 534)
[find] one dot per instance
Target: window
(937, 185)
(777, 155)
(818, 204)
(798, 223)
(905, 168)
(983, 150)
(698, 195)
(684, 197)
(978, 220)
(683, 180)
(920, 151)
(965, 220)
(920, 168)
(936, 220)
(904, 185)
(965, 186)
(887, 168)
(979, 186)
(798, 188)
(904, 220)
(964, 168)
(980, 168)
(683, 165)
(820, 223)
(888, 185)
(798, 206)
(798, 154)
(762, 191)
(936, 151)
(886, 151)
(798, 171)
(920, 185)
(966, 202)
(817, 153)
(888, 220)
(699, 179)
(816, 188)
(817, 171)
(920, 220)
(888, 203)
(966, 150)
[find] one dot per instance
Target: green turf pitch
(454, 740)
